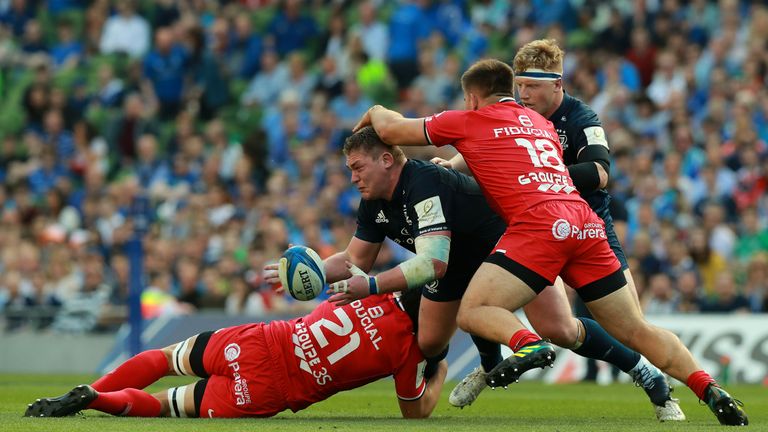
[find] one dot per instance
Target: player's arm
(359, 253)
(423, 407)
(590, 173)
(393, 128)
(429, 264)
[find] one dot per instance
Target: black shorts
(462, 266)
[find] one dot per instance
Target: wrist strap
(373, 286)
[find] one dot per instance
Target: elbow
(440, 268)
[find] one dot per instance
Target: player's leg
(437, 324)
(487, 311)
(612, 304)
(550, 316)
(619, 315)
(649, 377)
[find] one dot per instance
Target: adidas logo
(380, 218)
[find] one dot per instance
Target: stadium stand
(230, 115)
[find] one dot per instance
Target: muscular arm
(429, 264)
(359, 252)
(393, 128)
(591, 171)
(423, 407)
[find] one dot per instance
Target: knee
(431, 346)
(463, 317)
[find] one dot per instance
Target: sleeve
(429, 201)
(409, 378)
(367, 228)
(445, 128)
(590, 132)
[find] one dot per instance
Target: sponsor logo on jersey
(520, 130)
(547, 181)
(366, 320)
(381, 217)
(563, 138)
(232, 352)
(562, 229)
(430, 212)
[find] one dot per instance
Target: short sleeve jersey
(578, 126)
(513, 152)
(431, 198)
(340, 348)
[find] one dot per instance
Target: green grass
(524, 407)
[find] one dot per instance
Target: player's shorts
(600, 202)
(462, 265)
(243, 378)
(560, 238)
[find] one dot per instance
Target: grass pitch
(524, 407)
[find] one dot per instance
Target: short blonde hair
(544, 54)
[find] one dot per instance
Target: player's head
(375, 166)
(485, 82)
(538, 67)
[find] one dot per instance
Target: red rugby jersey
(513, 152)
(340, 348)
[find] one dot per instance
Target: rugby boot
(468, 389)
(73, 402)
(655, 384)
(529, 356)
(727, 409)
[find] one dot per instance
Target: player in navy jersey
(516, 157)
(258, 370)
(538, 68)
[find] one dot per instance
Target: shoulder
(581, 115)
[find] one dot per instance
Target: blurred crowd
(229, 116)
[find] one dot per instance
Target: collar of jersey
(562, 108)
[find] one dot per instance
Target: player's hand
(442, 162)
(346, 291)
(365, 120)
(271, 277)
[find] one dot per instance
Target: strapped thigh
(192, 351)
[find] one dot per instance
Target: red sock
(137, 372)
(127, 402)
(522, 337)
(698, 382)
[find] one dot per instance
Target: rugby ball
(302, 272)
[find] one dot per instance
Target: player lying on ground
(538, 68)
(259, 370)
(516, 157)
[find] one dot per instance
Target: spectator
(127, 127)
(265, 87)
(660, 298)
(373, 33)
(291, 30)
(125, 32)
(727, 297)
(165, 68)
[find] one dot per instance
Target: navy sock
(431, 368)
(490, 352)
(599, 345)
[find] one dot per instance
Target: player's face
(538, 95)
(369, 174)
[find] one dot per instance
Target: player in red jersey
(259, 370)
(515, 155)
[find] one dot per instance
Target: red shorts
(244, 381)
(562, 238)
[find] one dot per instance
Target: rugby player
(418, 204)
(538, 68)
(516, 157)
(259, 370)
